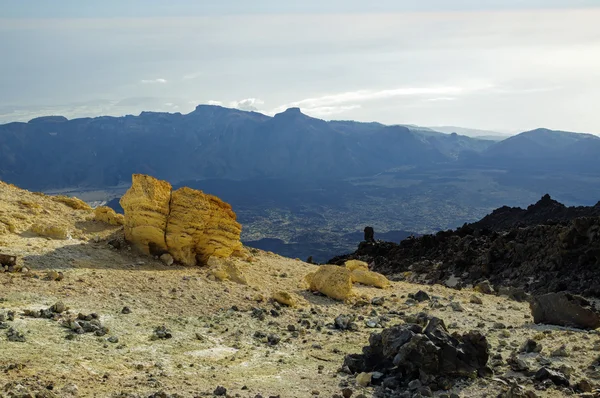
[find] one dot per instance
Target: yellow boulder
(107, 215)
(356, 264)
(189, 224)
(370, 278)
(332, 281)
(285, 298)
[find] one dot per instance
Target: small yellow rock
(363, 379)
(285, 298)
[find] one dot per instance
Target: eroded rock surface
(189, 224)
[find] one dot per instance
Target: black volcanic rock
(530, 253)
(545, 211)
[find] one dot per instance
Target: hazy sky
(503, 65)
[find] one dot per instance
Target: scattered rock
(161, 333)
(363, 379)
(378, 301)
(126, 310)
(167, 259)
(420, 296)
(564, 309)
(457, 306)
(54, 276)
(531, 346)
(345, 322)
(560, 352)
(475, 300)
(484, 287)
(13, 335)
(220, 391)
(557, 378)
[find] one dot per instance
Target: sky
(501, 65)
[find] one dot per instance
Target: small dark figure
(309, 260)
(369, 234)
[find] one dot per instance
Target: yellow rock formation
(356, 264)
(73, 203)
(201, 226)
(370, 278)
(107, 215)
(189, 224)
(332, 281)
(146, 206)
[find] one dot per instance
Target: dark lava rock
(545, 248)
(126, 310)
(420, 296)
(556, 377)
(564, 309)
(531, 346)
(162, 333)
(273, 339)
(409, 351)
(13, 335)
(345, 322)
(220, 391)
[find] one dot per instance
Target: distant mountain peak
(291, 112)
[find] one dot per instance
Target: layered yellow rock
(146, 206)
(201, 226)
(107, 215)
(356, 264)
(50, 231)
(73, 203)
(332, 281)
(189, 224)
(370, 278)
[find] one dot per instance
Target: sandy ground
(212, 325)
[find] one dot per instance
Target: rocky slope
(88, 315)
(546, 248)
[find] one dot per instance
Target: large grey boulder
(564, 309)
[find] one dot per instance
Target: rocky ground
(147, 329)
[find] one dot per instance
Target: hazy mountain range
(305, 181)
(216, 142)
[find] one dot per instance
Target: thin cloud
(213, 102)
(154, 81)
(356, 98)
(247, 104)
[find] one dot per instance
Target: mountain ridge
(215, 142)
